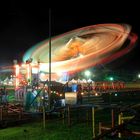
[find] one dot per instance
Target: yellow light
(59, 73)
(17, 74)
(28, 72)
(96, 94)
(23, 65)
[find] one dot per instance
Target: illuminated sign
(71, 98)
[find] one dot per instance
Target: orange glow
(23, 73)
(28, 71)
(84, 48)
(17, 75)
(23, 65)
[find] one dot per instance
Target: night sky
(22, 27)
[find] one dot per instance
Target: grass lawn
(56, 130)
(53, 131)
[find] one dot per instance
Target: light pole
(49, 84)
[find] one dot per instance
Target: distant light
(42, 74)
(73, 81)
(34, 70)
(138, 75)
(44, 67)
(84, 81)
(23, 65)
(89, 80)
(87, 73)
(111, 78)
(116, 94)
(96, 94)
(59, 73)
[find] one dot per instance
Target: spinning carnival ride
(83, 48)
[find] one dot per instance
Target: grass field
(57, 130)
(53, 131)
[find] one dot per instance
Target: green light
(111, 78)
(87, 73)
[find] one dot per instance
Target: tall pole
(112, 116)
(93, 121)
(49, 84)
(49, 89)
(38, 73)
(44, 112)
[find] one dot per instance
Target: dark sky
(22, 27)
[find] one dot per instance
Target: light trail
(83, 48)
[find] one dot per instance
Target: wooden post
(112, 116)
(63, 117)
(93, 121)
(69, 119)
(120, 122)
(20, 114)
(100, 128)
(1, 113)
(43, 109)
(87, 116)
(44, 122)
